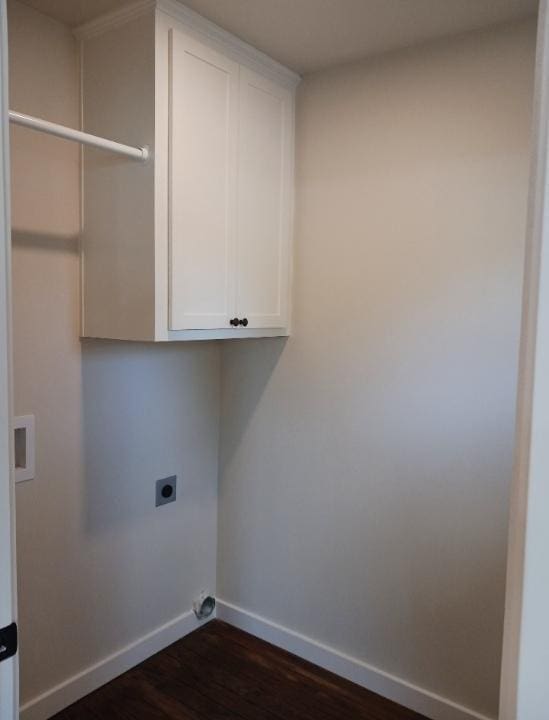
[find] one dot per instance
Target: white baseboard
(389, 686)
(405, 693)
(85, 682)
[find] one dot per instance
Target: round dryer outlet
(204, 606)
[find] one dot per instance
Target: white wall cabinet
(197, 242)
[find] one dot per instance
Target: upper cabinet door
(265, 186)
(202, 184)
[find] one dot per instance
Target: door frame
(9, 700)
(524, 693)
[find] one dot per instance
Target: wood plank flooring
(221, 673)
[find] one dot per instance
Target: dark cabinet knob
(243, 322)
(234, 322)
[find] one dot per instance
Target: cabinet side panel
(118, 77)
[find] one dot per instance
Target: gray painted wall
(366, 461)
(99, 566)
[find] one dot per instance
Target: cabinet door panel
(202, 201)
(264, 201)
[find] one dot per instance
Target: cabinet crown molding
(114, 19)
(241, 51)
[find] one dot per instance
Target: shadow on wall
(248, 381)
(32, 241)
(148, 412)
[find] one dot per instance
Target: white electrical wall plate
(24, 455)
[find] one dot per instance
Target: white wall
(99, 565)
(366, 462)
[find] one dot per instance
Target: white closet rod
(138, 153)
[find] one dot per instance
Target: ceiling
(308, 35)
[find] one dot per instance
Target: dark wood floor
(220, 673)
